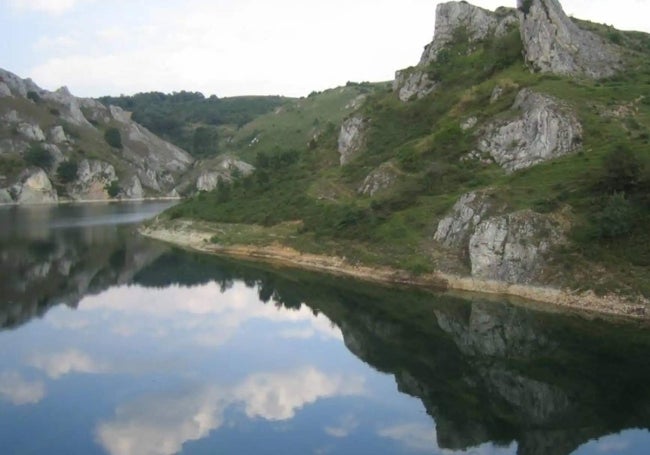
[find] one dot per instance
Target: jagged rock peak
(479, 23)
(555, 44)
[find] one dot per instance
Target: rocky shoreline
(90, 201)
(190, 238)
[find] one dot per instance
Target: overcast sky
(233, 47)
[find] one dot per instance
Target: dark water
(114, 344)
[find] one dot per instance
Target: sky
(233, 47)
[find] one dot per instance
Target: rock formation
(545, 129)
(477, 23)
(511, 248)
(351, 138)
(226, 169)
(33, 187)
(384, 177)
(554, 44)
(455, 229)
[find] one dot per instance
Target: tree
(113, 189)
(113, 137)
(38, 156)
(204, 142)
(622, 170)
(67, 171)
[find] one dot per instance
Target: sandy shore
(193, 239)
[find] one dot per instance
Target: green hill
(488, 159)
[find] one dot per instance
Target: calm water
(114, 344)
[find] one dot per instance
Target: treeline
(189, 119)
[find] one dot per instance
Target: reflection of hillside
(484, 371)
(40, 270)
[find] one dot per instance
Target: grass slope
(307, 201)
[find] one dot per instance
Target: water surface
(113, 344)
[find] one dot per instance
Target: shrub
(67, 171)
(35, 97)
(617, 217)
(622, 170)
(113, 189)
(36, 155)
(113, 138)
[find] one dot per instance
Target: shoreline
(585, 302)
(89, 201)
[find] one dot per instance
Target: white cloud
(202, 315)
(160, 425)
(45, 6)
(63, 363)
(19, 391)
(343, 428)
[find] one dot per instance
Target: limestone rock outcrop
(555, 44)
(382, 178)
(93, 177)
(226, 169)
(512, 248)
(351, 138)
(477, 23)
(33, 187)
(545, 129)
(455, 229)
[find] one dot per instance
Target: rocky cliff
(54, 146)
(553, 43)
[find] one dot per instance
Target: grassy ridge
(603, 190)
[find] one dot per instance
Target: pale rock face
(511, 248)
(455, 229)
(546, 129)
(5, 91)
(380, 179)
(554, 44)
(233, 165)
(92, 178)
(31, 132)
(413, 84)
(55, 153)
(18, 86)
(11, 117)
(5, 197)
(478, 22)
(351, 138)
(57, 135)
(134, 189)
(468, 123)
(34, 187)
(72, 106)
(208, 181)
(496, 94)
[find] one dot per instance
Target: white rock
(134, 189)
(57, 135)
(455, 229)
(468, 123)
(5, 91)
(553, 43)
(545, 129)
(380, 179)
(93, 176)
(410, 84)
(511, 248)
(34, 187)
(31, 132)
(351, 138)
(70, 106)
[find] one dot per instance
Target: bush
(113, 189)
(38, 156)
(35, 97)
(622, 170)
(113, 138)
(67, 171)
(616, 218)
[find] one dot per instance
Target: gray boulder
(133, 190)
(544, 130)
(57, 135)
(555, 44)
(93, 176)
(512, 248)
(351, 138)
(34, 187)
(455, 229)
(30, 131)
(411, 84)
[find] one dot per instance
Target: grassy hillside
(308, 201)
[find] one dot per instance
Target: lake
(114, 344)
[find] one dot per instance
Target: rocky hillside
(516, 151)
